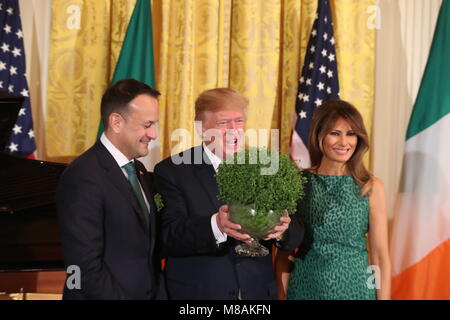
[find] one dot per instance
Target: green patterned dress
(332, 262)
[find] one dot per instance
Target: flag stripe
(415, 282)
(318, 82)
(434, 87)
(421, 230)
(13, 78)
(136, 61)
(423, 220)
(299, 151)
(136, 55)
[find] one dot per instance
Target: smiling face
(223, 130)
(339, 143)
(137, 127)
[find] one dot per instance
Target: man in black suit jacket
(198, 237)
(105, 202)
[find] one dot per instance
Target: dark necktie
(132, 177)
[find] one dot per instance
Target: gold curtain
(355, 51)
(255, 46)
(254, 63)
(297, 20)
(193, 57)
(86, 37)
(267, 44)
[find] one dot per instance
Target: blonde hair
(217, 99)
(323, 120)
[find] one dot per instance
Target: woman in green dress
(343, 203)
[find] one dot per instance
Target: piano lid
(24, 183)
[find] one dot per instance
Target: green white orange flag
(136, 61)
(420, 241)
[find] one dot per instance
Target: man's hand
(228, 227)
(279, 229)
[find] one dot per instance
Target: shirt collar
(215, 160)
(120, 158)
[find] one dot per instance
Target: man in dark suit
(105, 202)
(197, 235)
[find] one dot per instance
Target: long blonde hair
(323, 120)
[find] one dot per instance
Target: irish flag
(136, 56)
(136, 61)
(420, 242)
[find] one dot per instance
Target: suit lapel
(118, 179)
(145, 180)
(205, 173)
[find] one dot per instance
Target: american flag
(13, 77)
(318, 81)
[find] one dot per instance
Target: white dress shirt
(215, 161)
(121, 160)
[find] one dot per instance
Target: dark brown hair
(219, 98)
(118, 96)
(322, 122)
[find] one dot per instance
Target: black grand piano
(30, 248)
